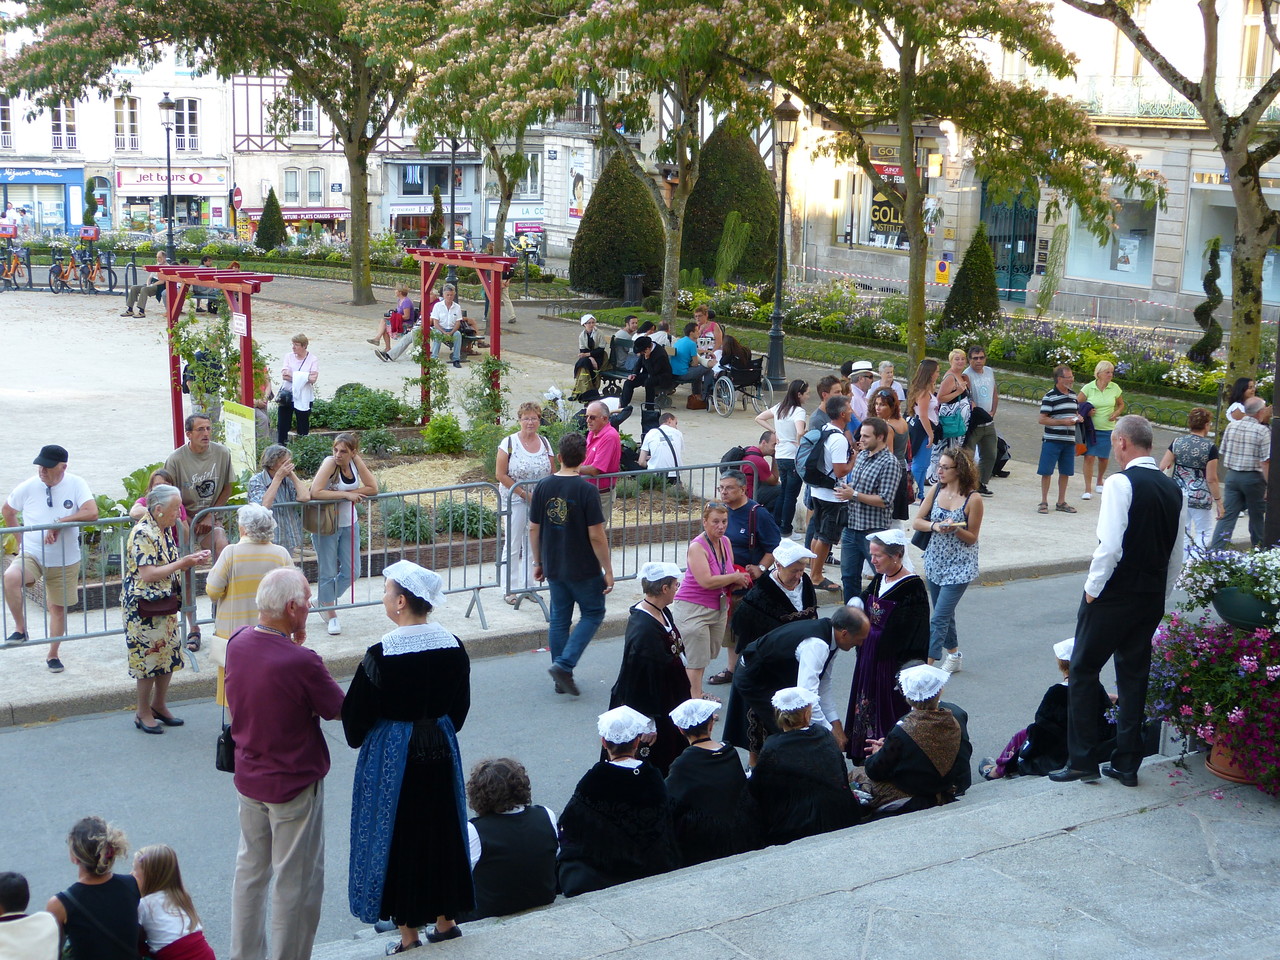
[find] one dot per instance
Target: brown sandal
(1043, 508)
(724, 676)
(1065, 508)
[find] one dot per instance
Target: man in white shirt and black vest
(1139, 554)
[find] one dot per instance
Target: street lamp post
(453, 164)
(786, 117)
(167, 107)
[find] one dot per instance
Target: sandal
(724, 676)
(511, 598)
(193, 640)
(1065, 508)
(986, 768)
(828, 586)
(707, 696)
(1043, 508)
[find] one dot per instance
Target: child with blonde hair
(166, 913)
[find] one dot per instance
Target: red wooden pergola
(489, 268)
(239, 286)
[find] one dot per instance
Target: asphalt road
(166, 789)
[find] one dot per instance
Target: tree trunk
(912, 211)
(1251, 242)
(672, 232)
(358, 173)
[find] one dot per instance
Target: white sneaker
(953, 662)
(1086, 496)
(1099, 483)
(334, 627)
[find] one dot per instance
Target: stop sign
(237, 199)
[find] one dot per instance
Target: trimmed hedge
(620, 233)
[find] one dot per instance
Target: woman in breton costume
(411, 694)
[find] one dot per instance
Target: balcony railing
(6, 140)
(585, 114)
(127, 142)
(1150, 98)
(64, 141)
(189, 142)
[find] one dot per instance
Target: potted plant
(1221, 684)
(1244, 588)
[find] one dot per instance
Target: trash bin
(633, 288)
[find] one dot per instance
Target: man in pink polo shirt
(604, 455)
(278, 691)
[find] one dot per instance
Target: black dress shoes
(451, 934)
(1067, 774)
(1128, 779)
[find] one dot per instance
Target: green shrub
(135, 484)
(467, 517)
(620, 233)
(408, 523)
(334, 257)
(146, 246)
(357, 407)
(309, 452)
(379, 441)
(271, 232)
(732, 176)
(443, 434)
(209, 250)
(974, 300)
(651, 304)
(483, 439)
(414, 447)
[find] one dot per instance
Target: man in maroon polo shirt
(277, 692)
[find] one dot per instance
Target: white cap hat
(793, 698)
(788, 552)
(922, 682)
(1062, 649)
(587, 318)
(897, 538)
(693, 713)
(622, 724)
(419, 581)
(656, 570)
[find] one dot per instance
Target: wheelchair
(749, 384)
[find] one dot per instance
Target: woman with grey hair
(151, 594)
(233, 581)
(446, 324)
(278, 487)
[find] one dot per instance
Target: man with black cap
(652, 371)
(51, 496)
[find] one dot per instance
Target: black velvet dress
(615, 828)
(653, 681)
(801, 786)
(429, 871)
(714, 812)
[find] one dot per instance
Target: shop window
(411, 180)
(1126, 257)
(186, 125)
(292, 180)
(127, 123)
(6, 125)
(64, 126)
(1212, 213)
(315, 186)
(530, 185)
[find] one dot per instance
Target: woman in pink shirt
(701, 607)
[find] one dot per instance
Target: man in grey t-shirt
(202, 469)
(983, 393)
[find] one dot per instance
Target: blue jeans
(566, 647)
(919, 467)
(336, 555)
(457, 345)
(942, 625)
(855, 549)
(784, 507)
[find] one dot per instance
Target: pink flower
(1236, 715)
(1185, 711)
(1186, 690)
(1208, 709)
(1250, 664)
(1273, 672)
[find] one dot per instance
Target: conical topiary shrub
(270, 233)
(974, 300)
(620, 233)
(731, 176)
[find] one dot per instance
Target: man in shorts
(830, 515)
(51, 496)
(1058, 416)
(202, 469)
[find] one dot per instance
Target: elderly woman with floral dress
(152, 598)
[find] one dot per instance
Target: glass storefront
(1126, 257)
(1211, 212)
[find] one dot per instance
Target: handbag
(953, 425)
(284, 396)
(163, 607)
(695, 402)
(224, 755)
(921, 538)
(320, 519)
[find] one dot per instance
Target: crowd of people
(878, 466)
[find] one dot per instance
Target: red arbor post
(490, 269)
(239, 286)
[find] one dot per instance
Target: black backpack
(734, 455)
(811, 453)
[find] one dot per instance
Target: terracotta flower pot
(1222, 763)
(1243, 610)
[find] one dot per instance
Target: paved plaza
(1025, 868)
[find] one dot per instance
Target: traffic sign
(237, 199)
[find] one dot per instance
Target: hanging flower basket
(1244, 610)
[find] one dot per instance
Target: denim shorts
(1101, 447)
(1059, 453)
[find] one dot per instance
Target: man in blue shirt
(687, 365)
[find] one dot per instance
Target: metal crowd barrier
(101, 563)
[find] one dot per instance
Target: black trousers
(285, 413)
(1121, 626)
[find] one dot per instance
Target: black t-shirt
(564, 508)
(114, 907)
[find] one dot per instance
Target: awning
(301, 213)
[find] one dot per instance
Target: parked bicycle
(15, 271)
(63, 274)
(97, 271)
